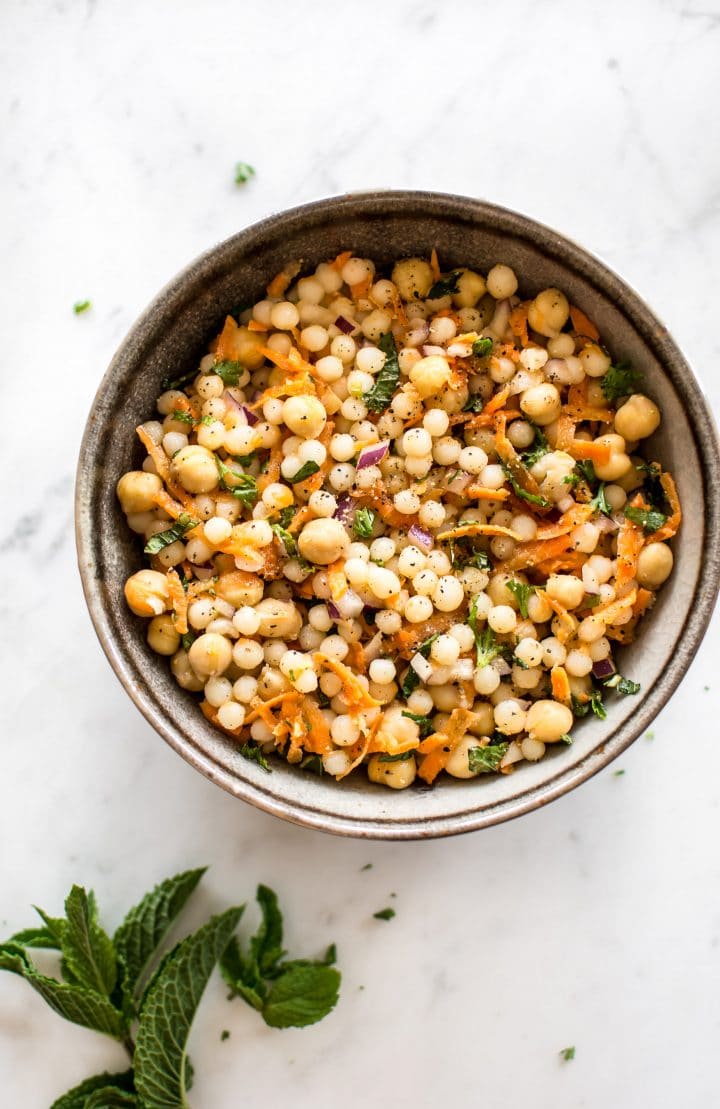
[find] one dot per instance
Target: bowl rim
(689, 636)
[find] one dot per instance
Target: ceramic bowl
(169, 339)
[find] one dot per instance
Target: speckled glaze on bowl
(169, 339)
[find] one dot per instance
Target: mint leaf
(384, 914)
(286, 539)
(424, 723)
(306, 470)
(521, 592)
(567, 1054)
(147, 923)
(244, 487)
(163, 539)
(412, 679)
(620, 381)
(650, 519)
(36, 937)
(379, 397)
(78, 1005)
(600, 503)
(98, 1092)
(302, 995)
(485, 760)
(182, 417)
(622, 685)
(87, 949)
(243, 172)
(169, 1009)
(445, 286)
(266, 945)
(242, 975)
(486, 645)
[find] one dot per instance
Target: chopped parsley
(384, 914)
(539, 448)
(157, 543)
(586, 470)
(486, 644)
(567, 1054)
(243, 172)
(650, 519)
(177, 382)
(424, 723)
(182, 417)
(313, 764)
(622, 685)
(187, 640)
(402, 757)
(245, 487)
(482, 347)
(594, 703)
(533, 498)
(565, 738)
(379, 397)
(599, 503)
(474, 403)
(618, 773)
(306, 470)
(412, 679)
(81, 306)
(620, 381)
(363, 523)
(368, 866)
(286, 539)
(486, 760)
(224, 1035)
(229, 372)
(460, 557)
(254, 754)
(521, 592)
(445, 286)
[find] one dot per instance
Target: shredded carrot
(568, 623)
(210, 713)
(578, 514)
(272, 473)
(341, 259)
(356, 656)
(644, 600)
(519, 323)
(434, 264)
(671, 525)
(260, 709)
(179, 601)
(255, 325)
(582, 324)
(596, 452)
(630, 541)
(360, 289)
(478, 529)
(282, 280)
(560, 684)
(354, 692)
(337, 582)
(175, 509)
(299, 520)
(530, 554)
(610, 612)
(479, 492)
(162, 465)
(439, 753)
(565, 433)
(496, 402)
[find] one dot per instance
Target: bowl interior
(169, 340)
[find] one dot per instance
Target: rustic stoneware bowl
(170, 338)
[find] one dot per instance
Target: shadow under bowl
(169, 339)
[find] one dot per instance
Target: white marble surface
(593, 923)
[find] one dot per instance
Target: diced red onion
(428, 349)
(232, 402)
(345, 325)
(460, 483)
(346, 607)
(604, 668)
(333, 610)
(204, 573)
(423, 538)
(345, 509)
(370, 456)
(250, 416)
(373, 648)
(502, 666)
(607, 524)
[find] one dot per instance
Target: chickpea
(184, 674)
(413, 278)
(549, 312)
(136, 491)
(210, 654)
(278, 619)
(247, 348)
(396, 775)
(195, 468)
(430, 375)
(619, 463)
(637, 418)
(548, 721)
(146, 593)
(305, 416)
(594, 361)
(565, 588)
(470, 287)
(323, 541)
(654, 565)
(240, 588)
(162, 636)
(541, 403)
(634, 477)
(458, 765)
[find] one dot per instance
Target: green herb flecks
(618, 773)
(384, 914)
(486, 645)
(306, 470)
(482, 347)
(243, 486)
(313, 764)
(253, 753)
(445, 286)
(424, 723)
(162, 539)
(287, 540)
(243, 172)
(288, 993)
(486, 760)
(650, 519)
(594, 704)
(181, 417)
(622, 685)
(379, 397)
(620, 381)
(532, 498)
(402, 757)
(539, 448)
(363, 523)
(521, 591)
(567, 1054)
(412, 679)
(230, 372)
(599, 503)
(81, 306)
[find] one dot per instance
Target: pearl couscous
(400, 521)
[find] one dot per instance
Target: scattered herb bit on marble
(127, 988)
(368, 866)
(618, 773)
(224, 1035)
(384, 914)
(243, 172)
(567, 1054)
(650, 735)
(81, 306)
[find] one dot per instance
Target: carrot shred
(299, 520)
(610, 611)
(355, 694)
(478, 529)
(483, 494)
(360, 289)
(496, 402)
(569, 520)
(596, 452)
(583, 324)
(281, 281)
(255, 325)
(560, 684)
(179, 601)
(519, 323)
(434, 264)
(671, 525)
(162, 465)
(531, 554)
(565, 433)
(445, 742)
(644, 600)
(272, 473)
(630, 541)
(337, 582)
(341, 259)
(568, 622)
